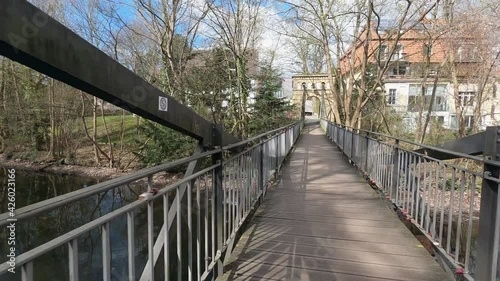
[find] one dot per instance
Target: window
(382, 52)
(398, 53)
(391, 98)
(415, 98)
(440, 120)
(466, 98)
(468, 53)
(469, 121)
(440, 104)
(399, 70)
(460, 53)
(453, 122)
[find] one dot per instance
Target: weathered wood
(323, 222)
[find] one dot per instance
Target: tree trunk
(94, 131)
(52, 119)
(110, 144)
(431, 105)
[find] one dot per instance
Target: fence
(442, 199)
(212, 202)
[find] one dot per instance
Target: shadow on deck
(324, 222)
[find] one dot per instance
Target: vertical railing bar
(190, 229)
(213, 216)
(409, 183)
(232, 199)
(245, 187)
(27, 271)
(450, 212)
(398, 177)
(459, 222)
(424, 193)
(166, 238)
(443, 193)
(469, 227)
(388, 166)
(179, 233)
(206, 221)
(106, 253)
(415, 195)
(237, 195)
(436, 203)
(225, 191)
(402, 185)
(131, 245)
(198, 229)
(150, 227)
(73, 260)
(428, 198)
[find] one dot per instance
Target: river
(34, 187)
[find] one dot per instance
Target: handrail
(65, 199)
(237, 144)
(75, 233)
(230, 189)
(368, 133)
(438, 198)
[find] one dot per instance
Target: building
(314, 86)
(410, 69)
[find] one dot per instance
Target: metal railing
(200, 214)
(439, 197)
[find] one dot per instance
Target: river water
(35, 187)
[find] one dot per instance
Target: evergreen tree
(269, 112)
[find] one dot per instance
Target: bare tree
(236, 25)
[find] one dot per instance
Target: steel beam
(489, 216)
(31, 37)
(471, 145)
(193, 167)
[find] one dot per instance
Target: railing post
(366, 151)
(343, 139)
(218, 191)
(261, 170)
(489, 217)
(395, 171)
(352, 148)
(277, 137)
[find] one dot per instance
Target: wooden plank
(323, 222)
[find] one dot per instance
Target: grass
(114, 123)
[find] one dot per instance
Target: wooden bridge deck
(323, 222)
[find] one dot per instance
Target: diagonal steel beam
(31, 37)
(470, 145)
(192, 168)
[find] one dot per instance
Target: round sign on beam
(163, 104)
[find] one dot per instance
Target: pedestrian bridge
(308, 201)
(323, 221)
(302, 202)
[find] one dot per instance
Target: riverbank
(56, 167)
(99, 174)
